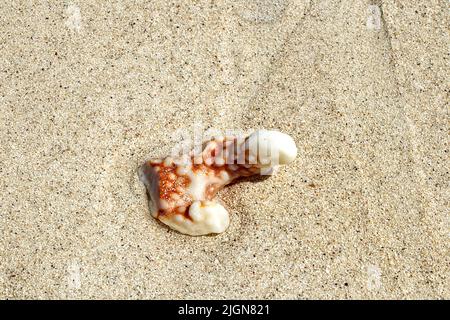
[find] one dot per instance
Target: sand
(89, 91)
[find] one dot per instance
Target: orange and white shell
(181, 190)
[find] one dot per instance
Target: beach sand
(88, 92)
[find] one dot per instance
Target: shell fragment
(181, 191)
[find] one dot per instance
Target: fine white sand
(88, 92)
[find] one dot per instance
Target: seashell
(182, 196)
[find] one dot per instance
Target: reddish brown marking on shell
(166, 185)
(196, 168)
(169, 186)
(174, 211)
